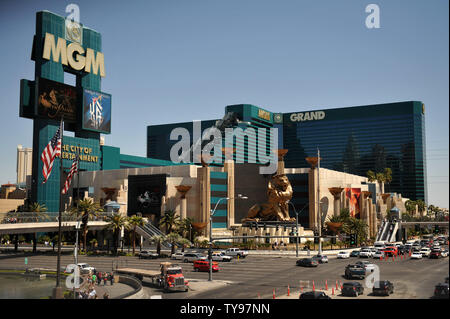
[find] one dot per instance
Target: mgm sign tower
(62, 45)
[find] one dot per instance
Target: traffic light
(436, 229)
(316, 238)
(353, 239)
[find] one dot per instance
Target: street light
(240, 196)
(296, 226)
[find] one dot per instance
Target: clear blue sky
(173, 61)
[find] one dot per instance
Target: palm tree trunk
(84, 238)
(158, 248)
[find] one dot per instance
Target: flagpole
(58, 289)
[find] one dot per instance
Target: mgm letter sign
(72, 55)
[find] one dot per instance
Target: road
(258, 275)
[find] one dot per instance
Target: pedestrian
(105, 278)
(111, 278)
(99, 278)
(92, 294)
(94, 278)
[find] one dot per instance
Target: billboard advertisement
(353, 195)
(55, 99)
(96, 111)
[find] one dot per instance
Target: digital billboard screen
(96, 111)
(55, 99)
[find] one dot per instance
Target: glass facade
(357, 139)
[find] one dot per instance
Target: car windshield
(174, 271)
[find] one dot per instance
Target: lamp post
(240, 196)
(296, 226)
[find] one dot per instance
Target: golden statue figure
(279, 193)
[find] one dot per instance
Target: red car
(202, 265)
(391, 251)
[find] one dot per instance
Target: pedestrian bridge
(23, 223)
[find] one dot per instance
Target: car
(379, 254)
(343, 255)
(368, 266)
(354, 253)
(416, 255)
(314, 295)
(373, 250)
(435, 254)
(220, 256)
(148, 254)
(177, 256)
(365, 253)
(383, 287)
(321, 259)
(85, 268)
(425, 251)
(191, 257)
(391, 251)
(203, 265)
(441, 291)
(379, 244)
(444, 253)
(352, 289)
(354, 271)
(307, 262)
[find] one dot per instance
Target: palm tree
(135, 221)
(116, 223)
(421, 206)
(184, 243)
(170, 220)
(356, 226)
(158, 239)
(38, 210)
(88, 208)
(185, 227)
(173, 239)
(410, 206)
(388, 176)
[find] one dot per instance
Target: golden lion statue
(279, 193)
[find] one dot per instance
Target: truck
(236, 252)
(169, 277)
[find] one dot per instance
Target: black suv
(307, 262)
(383, 287)
(441, 291)
(352, 288)
(355, 271)
(314, 295)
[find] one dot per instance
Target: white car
(444, 253)
(220, 256)
(365, 252)
(425, 251)
(84, 268)
(177, 256)
(416, 255)
(191, 257)
(378, 254)
(343, 255)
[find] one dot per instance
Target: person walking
(94, 279)
(105, 278)
(111, 278)
(99, 278)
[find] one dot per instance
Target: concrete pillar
(336, 192)
(229, 168)
(312, 188)
(183, 189)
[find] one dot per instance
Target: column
(183, 189)
(229, 168)
(336, 192)
(312, 182)
(365, 209)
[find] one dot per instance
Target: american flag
(52, 150)
(73, 170)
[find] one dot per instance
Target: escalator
(148, 231)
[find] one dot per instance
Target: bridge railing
(47, 217)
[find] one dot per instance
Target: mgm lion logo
(279, 193)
